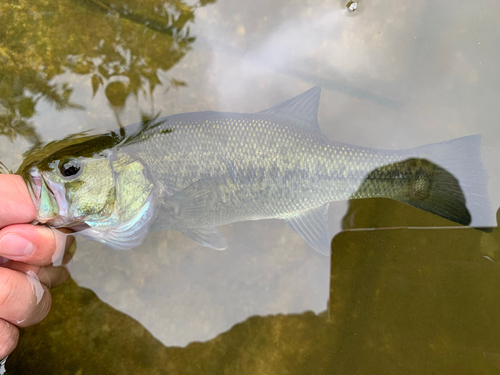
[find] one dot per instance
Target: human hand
(29, 262)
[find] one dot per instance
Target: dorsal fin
(301, 110)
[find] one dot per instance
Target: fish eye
(69, 167)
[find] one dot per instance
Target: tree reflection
(122, 47)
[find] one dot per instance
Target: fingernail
(13, 245)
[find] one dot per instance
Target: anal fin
(312, 226)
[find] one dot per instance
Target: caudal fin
(440, 193)
(461, 179)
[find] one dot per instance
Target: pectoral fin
(186, 205)
(208, 237)
(312, 226)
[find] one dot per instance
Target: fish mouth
(49, 199)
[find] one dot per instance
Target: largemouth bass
(195, 171)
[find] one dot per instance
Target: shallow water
(394, 75)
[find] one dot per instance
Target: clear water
(394, 75)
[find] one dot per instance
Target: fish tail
(461, 180)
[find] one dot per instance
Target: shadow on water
(414, 300)
(125, 52)
(401, 301)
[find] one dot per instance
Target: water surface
(394, 75)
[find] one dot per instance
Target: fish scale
(256, 162)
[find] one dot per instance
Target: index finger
(16, 206)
